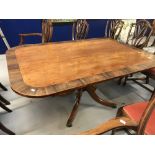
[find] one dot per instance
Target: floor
(48, 116)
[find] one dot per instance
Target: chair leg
(120, 80)
(4, 107)
(75, 108)
(3, 87)
(113, 131)
(6, 130)
(120, 129)
(119, 113)
(4, 100)
(153, 94)
(131, 75)
(147, 79)
(153, 44)
(125, 80)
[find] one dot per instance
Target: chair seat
(135, 111)
(150, 72)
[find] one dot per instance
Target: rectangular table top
(47, 69)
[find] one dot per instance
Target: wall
(12, 27)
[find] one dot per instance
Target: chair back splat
(47, 30)
(80, 29)
(141, 35)
(146, 116)
(113, 28)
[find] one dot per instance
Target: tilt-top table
(42, 70)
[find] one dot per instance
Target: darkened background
(12, 27)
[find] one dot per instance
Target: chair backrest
(141, 35)
(80, 29)
(47, 30)
(113, 28)
(146, 116)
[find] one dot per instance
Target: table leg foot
(69, 124)
(4, 107)
(75, 108)
(92, 93)
(6, 130)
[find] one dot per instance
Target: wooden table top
(49, 69)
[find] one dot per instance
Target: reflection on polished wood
(48, 69)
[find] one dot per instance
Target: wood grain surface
(48, 69)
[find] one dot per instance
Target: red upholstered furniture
(135, 112)
(139, 117)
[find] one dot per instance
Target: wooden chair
(47, 31)
(80, 29)
(142, 33)
(3, 103)
(138, 39)
(113, 28)
(138, 117)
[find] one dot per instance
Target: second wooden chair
(46, 35)
(138, 117)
